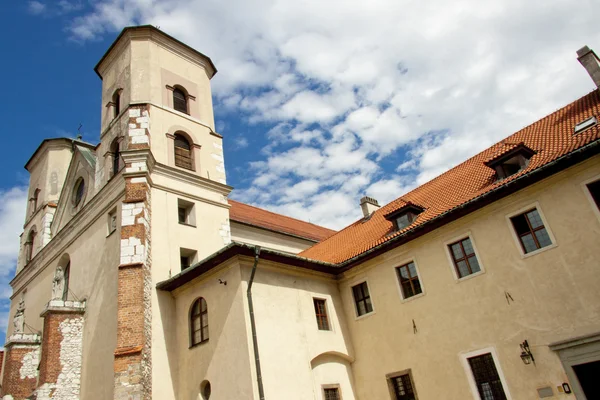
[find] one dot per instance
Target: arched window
(205, 390)
(29, 246)
(33, 201)
(66, 274)
(116, 100)
(198, 322)
(78, 192)
(183, 152)
(116, 154)
(180, 100)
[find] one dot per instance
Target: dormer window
(511, 162)
(404, 216)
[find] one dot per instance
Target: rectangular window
(362, 299)
(112, 221)
(594, 189)
(185, 212)
(187, 258)
(331, 394)
(531, 231)
(402, 387)
(321, 313)
(486, 377)
(409, 280)
(464, 258)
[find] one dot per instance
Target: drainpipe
(261, 391)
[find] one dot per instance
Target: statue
(19, 319)
(58, 284)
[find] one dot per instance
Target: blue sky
(319, 102)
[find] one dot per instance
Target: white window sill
(538, 251)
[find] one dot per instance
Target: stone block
(134, 112)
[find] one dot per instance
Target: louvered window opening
(531, 231)
(362, 299)
(180, 101)
(321, 313)
(199, 322)
(183, 153)
(409, 280)
(465, 260)
(332, 394)
(486, 377)
(403, 388)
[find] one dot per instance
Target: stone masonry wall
(20, 368)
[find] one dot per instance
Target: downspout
(261, 392)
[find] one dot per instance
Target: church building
(139, 278)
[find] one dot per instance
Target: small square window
(185, 212)
(331, 393)
(464, 258)
(112, 221)
(408, 278)
(321, 313)
(531, 231)
(594, 189)
(362, 299)
(187, 258)
(402, 387)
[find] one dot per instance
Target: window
(594, 189)
(183, 152)
(78, 192)
(404, 216)
(409, 280)
(33, 201)
(115, 150)
(402, 387)
(205, 390)
(531, 231)
(362, 299)
(116, 100)
(28, 248)
(588, 123)
(464, 258)
(180, 100)
(198, 322)
(187, 258)
(486, 377)
(512, 161)
(321, 313)
(331, 394)
(185, 212)
(66, 274)
(112, 221)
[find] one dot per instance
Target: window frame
(588, 194)
(516, 237)
(394, 375)
(201, 316)
(325, 315)
(109, 219)
(404, 263)
(190, 143)
(331, 386)
(450, 256)
(190, 254)
(186, 98)
(189, 209)
(354, 302)
(464, 358)
(29, 245)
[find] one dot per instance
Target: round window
(78, 191)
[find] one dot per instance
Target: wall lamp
(526, 355)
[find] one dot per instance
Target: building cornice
(48, 144)
(191, 178)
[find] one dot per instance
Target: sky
(319, 102)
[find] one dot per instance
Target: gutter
(261, 391)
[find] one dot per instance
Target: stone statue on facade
(58, 283)
(19, 319)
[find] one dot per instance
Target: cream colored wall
(290, 343)
(268, 239)
(555, 296)
(116, 75)
(224, 360)
(93, 276)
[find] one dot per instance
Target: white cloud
(36, 8)
(344, 87)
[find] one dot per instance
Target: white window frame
(516, 238)
(399, 286)
(464, 358)
(450, 257)
(588, 194)
(355, 311)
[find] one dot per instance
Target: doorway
(587, 375)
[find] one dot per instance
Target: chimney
(368, 205)
(590, 62)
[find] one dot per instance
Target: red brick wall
(12, 382)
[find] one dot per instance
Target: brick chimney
(368, 205)
(590, 62)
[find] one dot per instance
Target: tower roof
(150, 30)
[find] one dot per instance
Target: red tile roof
(551, 137)
(255, 216)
